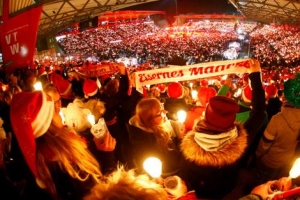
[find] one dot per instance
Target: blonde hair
(69, 151)
(127, 185)
(146, 111)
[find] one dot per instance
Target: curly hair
(126, 185)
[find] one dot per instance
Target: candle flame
(61, 114)
(91, 119)
(181, 115)
(295, 171)
(38, 86)
(153, 167)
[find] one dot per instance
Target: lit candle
(38, 86)
(194, 94)
(191, 84)
(181, 115)
(91, 119)
(295, 170)
(148, 87)
(153, 167)
(61, 114)
(294, 173)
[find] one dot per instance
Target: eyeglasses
(162, 113)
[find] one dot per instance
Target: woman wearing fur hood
(213, 150)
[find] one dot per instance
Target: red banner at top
(18, 38)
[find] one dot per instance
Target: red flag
(18, 37)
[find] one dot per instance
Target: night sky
(189, 7)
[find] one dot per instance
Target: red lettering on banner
(245, 64)
(163, 75)
(196, 71)
(209, 69)
(14, 48)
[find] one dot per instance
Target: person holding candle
(152, 134)
(277, 147)
(214, 149)
(175, 100)
(57, 158)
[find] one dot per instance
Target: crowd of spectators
(193, 42)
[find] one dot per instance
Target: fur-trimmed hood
(227, 155)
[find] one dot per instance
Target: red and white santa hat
(31, 115)
(175, 90)
(63, 86)
(247, 93)
(90, 88)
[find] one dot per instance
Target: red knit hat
(247, 93)
(90, 88)
(205, 93)
(31, 114)
(175, 90)
(271, 90)
(220, 113)
(63, 86)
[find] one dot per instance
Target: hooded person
(277, 147)
(213, 151)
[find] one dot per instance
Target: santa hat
(291, 91)
(247, 93)
(271, 90)
(220, 113)
(63, 86)
(105, 79)
(31, 114)
(175, 90)
(205, 93)
(90, 88)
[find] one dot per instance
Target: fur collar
(228, 155)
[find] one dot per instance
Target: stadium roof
(60, 14)
(269, 11)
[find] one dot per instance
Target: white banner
(190, 72)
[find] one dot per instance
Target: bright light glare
(181, 115)
(91, 119)
(295, 171)
(153, 167)
(194, 94)
(38, 86)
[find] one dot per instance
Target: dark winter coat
(145, 145)
(213, 174)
